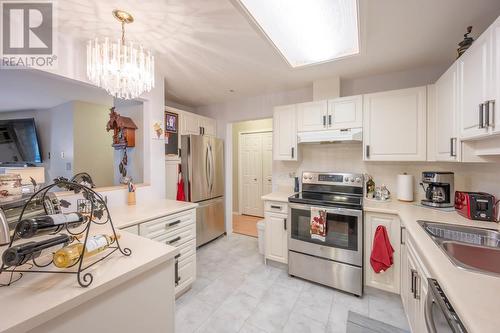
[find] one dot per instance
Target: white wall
(348, 158)
(391, 81)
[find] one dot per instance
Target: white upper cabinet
(474, 72)
(345, 112)
(285, 133)
(312, 116)
(444, 117)
(495, 85)
(394, 125)
(208, 126)
(189, 123)
(339, 113)
(192, 123)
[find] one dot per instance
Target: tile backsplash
(347, 157)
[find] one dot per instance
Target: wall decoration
(171, 122)
(157, 130)
(123, 130)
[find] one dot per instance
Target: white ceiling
(207, 47)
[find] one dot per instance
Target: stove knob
(358, 180)
(346, 179)
(351, 180)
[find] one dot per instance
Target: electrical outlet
(62, 155)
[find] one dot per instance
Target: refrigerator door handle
(207, 166)
(212, 179)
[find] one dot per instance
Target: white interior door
(267, 163)
(251, 174)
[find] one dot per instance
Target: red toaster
(475, 205)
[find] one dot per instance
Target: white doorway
(255, 171)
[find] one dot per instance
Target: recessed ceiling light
(308, 32)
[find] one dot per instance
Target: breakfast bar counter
(124, 292)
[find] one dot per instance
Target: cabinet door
(474, 70)
(413, 304)
(345, 112)
(445, 116)
(209, 126)
(276, 238)
(388, 280)
(190, 123)
(394, 125)
(285, 133)
(312, 116)
(495, 85)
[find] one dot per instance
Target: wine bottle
(44, 224)
(69, 255)
(20, 254)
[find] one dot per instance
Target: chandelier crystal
(123, 69)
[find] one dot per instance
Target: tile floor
(236, 292)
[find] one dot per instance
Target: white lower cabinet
(413, 287)
(276, 243)
(177, 230)
(388, 280)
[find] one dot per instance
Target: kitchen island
(125, 291)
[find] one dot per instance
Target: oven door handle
(330, 210)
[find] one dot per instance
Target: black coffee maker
(439, 192)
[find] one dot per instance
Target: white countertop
(475, 296)
(38, 298)
(126, 216)
(277, 196)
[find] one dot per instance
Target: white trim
(228, 147)
(240, 188)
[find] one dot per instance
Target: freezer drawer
(209, 220)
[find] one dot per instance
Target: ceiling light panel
(308, 32)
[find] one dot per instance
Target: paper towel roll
(405, 187)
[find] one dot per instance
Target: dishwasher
(440, 317)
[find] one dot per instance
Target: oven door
(344, 234)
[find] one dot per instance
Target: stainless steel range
(337, 259)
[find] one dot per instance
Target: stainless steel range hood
(330, 136)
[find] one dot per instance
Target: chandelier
(124, 70)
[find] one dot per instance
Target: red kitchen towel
(180, 189)
(381, 257)
(318, 224)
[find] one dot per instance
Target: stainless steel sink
(469, 248)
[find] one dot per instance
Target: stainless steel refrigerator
(202, 159)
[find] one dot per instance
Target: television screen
(19, 142)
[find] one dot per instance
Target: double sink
(469, 248)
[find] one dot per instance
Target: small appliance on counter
(475, 205)
(440, 188)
